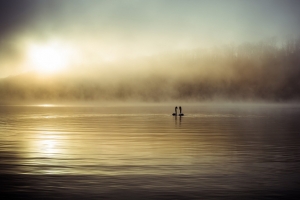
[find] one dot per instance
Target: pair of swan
(175, 113)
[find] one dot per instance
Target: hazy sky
(109, 30)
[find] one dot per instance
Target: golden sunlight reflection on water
(143, 141)
(59, 141)
(45, 144)
(46, 105)
(116, 149)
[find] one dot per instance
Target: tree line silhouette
(253, 71)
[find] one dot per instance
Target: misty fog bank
(256, 72)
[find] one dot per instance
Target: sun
(49, 58)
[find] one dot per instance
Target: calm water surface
(142, 152)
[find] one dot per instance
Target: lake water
(215, 151)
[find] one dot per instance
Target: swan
(180, 114)
(175, 113)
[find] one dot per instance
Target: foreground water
(142, 152)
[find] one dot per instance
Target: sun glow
(49, 58)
